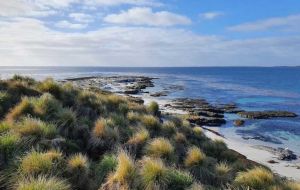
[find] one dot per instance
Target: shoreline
(288, 169)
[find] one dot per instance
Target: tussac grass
(60, 137)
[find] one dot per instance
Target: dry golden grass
(133, 116)
(124, 174)
(140, 137)
(292, 185)
(36, 128)
(78, 164)
(222, 168)
(150, 122)
(24, 107)
(257, 178)
(169, 127)
(104, 130)
(160, 147)
(41, 183)
(194, 157)
(36, 163)
(154, 174)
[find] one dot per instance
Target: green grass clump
(153, 108)
(42, 183)
(125, 172)
(50, 86)
(179, 180)
(35, 163)
(108, 164)
(78, 164)
(154, 174)
(223, 169)
(150, 122)
(140, 137)
(256, 178)
(36, 128)
(194, 157)
(169, 127)
(198, 131)
(160, 147)
(4, 127)
(8, 144)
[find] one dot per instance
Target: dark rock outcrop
(266, 114)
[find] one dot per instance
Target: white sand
(283, 168)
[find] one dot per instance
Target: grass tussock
(194, 157)
(124, 174)
(153, 108)
(154, 174)
(78, 164)
(36, 128)
(150, 122)
(256, 178)
(160, 147)
(42, 183)
(140, 137)
(35, 163)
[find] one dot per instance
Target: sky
(149, 33)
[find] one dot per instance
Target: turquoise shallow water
(252, 88)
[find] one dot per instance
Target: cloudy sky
(149, 32)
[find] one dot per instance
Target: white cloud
(30, 42)
(9, 8)
(211, 15)
(145, 16)
(81, 17)
(69, 25)
(289, 23)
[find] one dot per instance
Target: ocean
(251, 88)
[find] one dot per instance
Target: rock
(238, 123)
(159, 94)
(131, 91)
(266, 114)
(272, 162)
(135, 99)
(209, 114)
(206, 121)
(286, 154)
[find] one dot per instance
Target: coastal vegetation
(60, 137)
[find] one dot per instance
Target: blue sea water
(252, 88)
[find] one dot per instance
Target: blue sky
(150, 32)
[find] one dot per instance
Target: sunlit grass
(150, 122)
(160, 147)
(194, 157)
(257, 178)
(42, 183)
(78, 164)
(35, 127)
(140, 137)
